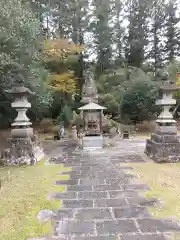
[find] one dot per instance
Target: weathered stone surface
(131, 212)
(154, 225)
(94, 181)
(64, 214)
(140, 201)
(67, 182)
(144, 237)
(106, 187)
(65, 195)
(93, 214)
(110, 237)
(122, 194)
(77, 203)
(92, 195)
(116, 227)
(110, 203)
(141, 187)
(79, 188)
(75, 227)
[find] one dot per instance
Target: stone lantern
(21, 127)
(24, 146)
(164, 145)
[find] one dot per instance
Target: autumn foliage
(59, 56)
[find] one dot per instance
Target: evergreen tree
(157, 35)
(102, 31)
(136, 40)
(172, 31)
(118, 32)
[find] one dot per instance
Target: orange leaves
(60, 48)
(63, 82)
(59, 56)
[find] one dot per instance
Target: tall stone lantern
(24, 146)
(164, 145)
(21, 127)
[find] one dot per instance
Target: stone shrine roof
(92, 106)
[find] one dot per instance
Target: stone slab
(110, 237)
(77, 203)
(136, 187)
(154, 225)
(110, 203)
(141, 201)
(122, 194)
(75, 227)
(92, 195)
(93, 214)
(64, 214)
(94, 181)
(116, 227)
(65, 195)
(79, 188)
(144, 237)
(67, 182)
(122, 181)
(131, 212)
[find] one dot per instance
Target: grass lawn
(23, 195)
(164, 182)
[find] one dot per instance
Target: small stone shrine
(92, 118)
(164, 145)
(24, 147)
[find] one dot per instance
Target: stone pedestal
(164, 144)
(163, 147)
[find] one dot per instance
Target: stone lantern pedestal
(164, 145)
(24, 146)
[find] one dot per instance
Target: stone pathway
(101, 201)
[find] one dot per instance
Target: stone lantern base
(163, 147)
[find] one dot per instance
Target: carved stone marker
(164, 145)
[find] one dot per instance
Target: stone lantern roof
(20, 90)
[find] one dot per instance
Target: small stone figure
(61, 132)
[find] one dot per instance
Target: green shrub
(46, 125)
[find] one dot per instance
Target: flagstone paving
(101, 201)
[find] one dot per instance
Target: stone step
(138, 236)
(93, 195)
(125, 237)
(111, 202)
(115, 227)
(90, 214)
(107, 187)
